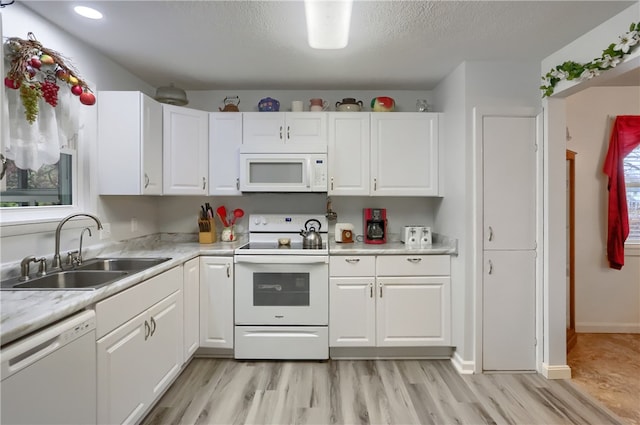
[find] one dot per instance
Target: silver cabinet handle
(238, 183)
(371, 290)
(375, 184)
(204, 183)
(280, 132)
(490, 233)
(288, 135)
(146, 180)
(228, 270)
(490, 267)
(147, 330)
(414, 260)
(352, 260)
(153, 326)
(381, 290)
(331, 183)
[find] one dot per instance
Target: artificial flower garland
(611, 57)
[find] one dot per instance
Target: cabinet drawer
(350, 265)
(121, 307)
(413, 265)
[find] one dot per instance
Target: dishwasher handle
(25, 352)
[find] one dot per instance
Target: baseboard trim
(463, 367)
(556, 371)
(608, 328)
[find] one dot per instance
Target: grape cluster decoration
(36, 72)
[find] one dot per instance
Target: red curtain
(625, 136)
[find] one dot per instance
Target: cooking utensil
(222, 215)
(310, 236)
(237, 213)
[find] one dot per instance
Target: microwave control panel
(319, 174)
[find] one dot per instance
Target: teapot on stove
(310, 236)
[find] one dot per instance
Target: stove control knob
(264, 221)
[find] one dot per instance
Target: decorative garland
(35, 70)
(611, 57)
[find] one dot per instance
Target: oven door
(281, 290)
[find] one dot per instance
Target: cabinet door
(151, 146)
(216, 302)
(123, 384)
(508, 325)
(352, 320)
(509, 172)
(348, 153)
(129, 144)
(225, 139)
(306, 128)
(163, 350)
(262, 128)
(186, 151)
(404, 154)
(413, 311)
(191, 311)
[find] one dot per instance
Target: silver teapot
(311, 238)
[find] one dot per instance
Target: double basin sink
(91, 274)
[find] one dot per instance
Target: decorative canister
(268, 105)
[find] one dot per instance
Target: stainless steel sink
(126, 264)
(71, 280)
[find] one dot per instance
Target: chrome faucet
(56, 257)
(86, 229)
(24, 267)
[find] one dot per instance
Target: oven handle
(282, 259)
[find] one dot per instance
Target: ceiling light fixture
(87, 12)
(328, 23)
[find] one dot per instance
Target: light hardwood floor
(223, 391)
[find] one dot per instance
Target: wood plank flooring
(224, 391)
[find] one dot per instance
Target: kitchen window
(631, 165)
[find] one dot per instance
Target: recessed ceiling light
(328, 23)
(87, 12)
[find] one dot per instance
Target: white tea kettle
(311, 238)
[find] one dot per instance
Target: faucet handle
(42, 268)
(73, 258)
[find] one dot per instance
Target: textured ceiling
(209, 45)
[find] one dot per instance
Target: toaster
(415, 236)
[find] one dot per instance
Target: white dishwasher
(50, 377)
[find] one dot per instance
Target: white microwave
(283, 172)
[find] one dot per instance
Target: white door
(348, 153)
(225, 139)
(122, 376)
(509, 168)
(509, 310)
(186, 151)
(352, 312)
(216, 302)
(509, 189)
(151, 146)
(163, 356)
(404, 154)
(191, 310)
(413, 311)
(260, 128)
(306, 128)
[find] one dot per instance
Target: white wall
(103, 74)
(607, 300)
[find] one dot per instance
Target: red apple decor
(36, 72)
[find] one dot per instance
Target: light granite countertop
(23, 312)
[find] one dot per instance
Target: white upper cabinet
(225, 139)
(304, 128)
(186, 151)
(129, 144)
(404, 154)
(348, 153)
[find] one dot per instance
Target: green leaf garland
(611, 56)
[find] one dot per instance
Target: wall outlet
(105, 233)
(134, 224)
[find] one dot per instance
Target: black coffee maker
(375, 225)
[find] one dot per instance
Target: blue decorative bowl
(268, 105)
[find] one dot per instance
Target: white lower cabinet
(390, 301)
(140, 354)
(216, 302)
(191, 311)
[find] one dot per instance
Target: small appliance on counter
(375, 225)
(344, 233)
(415, 236)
